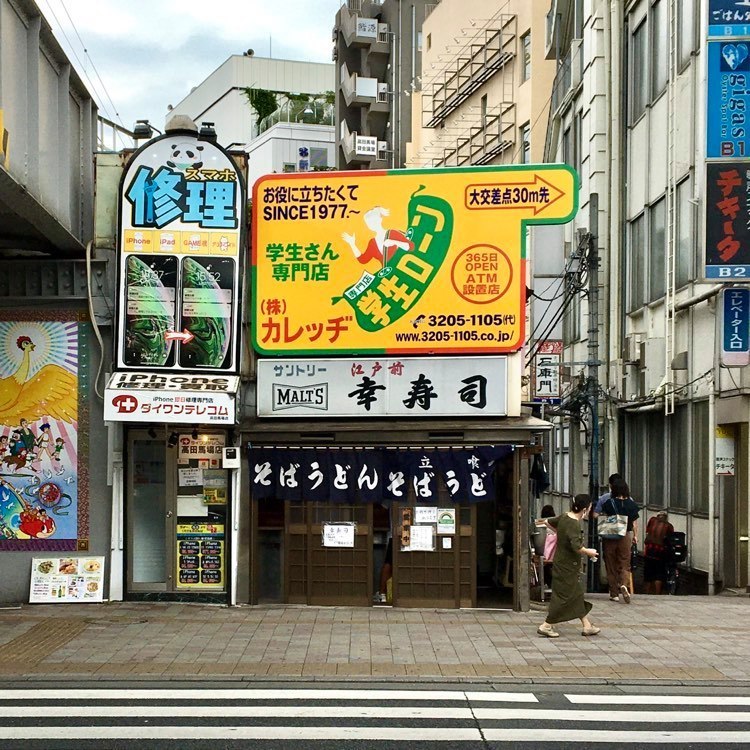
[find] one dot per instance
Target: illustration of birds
(51, 392)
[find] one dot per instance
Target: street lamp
(143, 129)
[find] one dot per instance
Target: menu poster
(200, 555)
(66, 579)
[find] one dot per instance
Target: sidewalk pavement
(673, 640)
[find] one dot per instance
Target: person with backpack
(658, 529)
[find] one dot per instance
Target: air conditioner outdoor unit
(632, 349)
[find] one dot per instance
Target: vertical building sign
(182, 206)
(728, 100)
(727, 255)
(547, 372)
(735, 327)
(727, 221)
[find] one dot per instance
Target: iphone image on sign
(206, 311)
(149, 310)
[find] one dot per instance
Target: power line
(82, 68)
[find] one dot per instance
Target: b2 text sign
(406, 261)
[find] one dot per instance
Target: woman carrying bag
(617, 550)
(567, 601)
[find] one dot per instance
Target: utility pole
(593, 374)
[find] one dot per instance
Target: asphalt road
(294, 715)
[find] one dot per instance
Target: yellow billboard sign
(398, 262)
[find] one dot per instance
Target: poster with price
(200, 556)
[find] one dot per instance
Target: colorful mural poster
(40, 480)
(398, 262)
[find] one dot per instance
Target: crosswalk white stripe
(385, 712)
(254, 694)
(660, 700)
(235, 712)
(443, 734)
(588, 737)
(651, 717)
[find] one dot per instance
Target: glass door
(148, 514)
(177, 520)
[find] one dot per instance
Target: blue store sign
(728, 18)
(735, 338)
(728, 100)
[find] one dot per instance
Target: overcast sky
(150, 53)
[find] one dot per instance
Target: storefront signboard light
(735, 327)
(728, 18)
(171, 399)
(399, 262)
(727, 221)
(724, 460)
(728, 100)
(369, 387)
(546, 382)
(182, 208)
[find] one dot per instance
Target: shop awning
(171, 398)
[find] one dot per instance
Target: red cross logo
(125, 404)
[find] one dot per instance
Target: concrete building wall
(221, 100)
(455, 31)
(279, 146)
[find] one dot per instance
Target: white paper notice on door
(339, 534)
(190, 477)
(422, 539)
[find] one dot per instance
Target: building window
(318, 158)
(419, 41)
(567, 146)
(678, 458)
(525, 143)
(636, 443)
(655, 459)
(700, 456)
(637, 259)
(685, 30)
(429, 41)
(638, 72)
(289, 167)
(685, 234)
(657, 250)
(483, 110)
(659, 47)
(578, 142)
(526, 59)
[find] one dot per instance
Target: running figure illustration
(383, 244)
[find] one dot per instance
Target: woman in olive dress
(567, 602)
